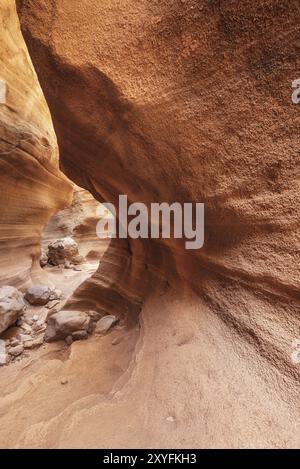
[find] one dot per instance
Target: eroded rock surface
(172, 101)
(189, 101)
(29, 158)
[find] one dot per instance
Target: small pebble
(170, 419)
(116, 341)
(14, 342)
(27, 328)
(64, 381)
(69, 340)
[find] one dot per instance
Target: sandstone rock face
(78, 222)
(171, 123)
(187, 101)
(32, 187)
(11, 306)
(62, 324)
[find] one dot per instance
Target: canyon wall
(32, 187)
(180, 101)
(189, 101)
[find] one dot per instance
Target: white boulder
(62, 324)
(64, 251)
(39, 295)
(11, 306)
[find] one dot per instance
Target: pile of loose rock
(30, 335)
(32, 331)
(29, 331)
(77, 325)
(63, 252)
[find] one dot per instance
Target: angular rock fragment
(23, 337)
(26, 328)
(105, 323)
(11, 306)
(56, 294)
(63, 324)
(34, 343)
(52, 305)
(16, 351)
(43, 259)
(14, 342)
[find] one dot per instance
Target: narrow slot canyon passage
(51, 376)
(70, 269)
(142, 343)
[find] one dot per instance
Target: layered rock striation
(179, 101)
(182, 102)
(32, 187)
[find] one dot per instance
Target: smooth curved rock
(32, 186)
(188, 101)
(11, 306)
(105, 324)
(163, 101)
